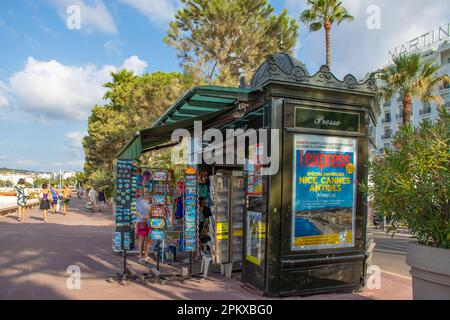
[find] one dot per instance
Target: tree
(412, 181)
(134, 102)
(119, 88)
(102, 180)
(412, 77)
(322, 14)
(218, 40)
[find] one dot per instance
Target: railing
(386, 136)
(8, 210)
(387, 120)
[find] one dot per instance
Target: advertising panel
(324, 192)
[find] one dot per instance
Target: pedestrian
(67, 193)
(142, 230)
(54, 193)
(80, 192)
(93, 199)
(101, 199)
(46, 197)
(21, 194)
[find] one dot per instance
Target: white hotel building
(436, 46)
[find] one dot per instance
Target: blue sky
(51, 76)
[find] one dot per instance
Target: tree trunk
(328, 42)
(406, 109)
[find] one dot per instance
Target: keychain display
(126, 179)
(190, 210)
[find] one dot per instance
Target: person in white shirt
(93, 199)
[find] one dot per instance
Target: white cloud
(74, 139)
(157, 11)
(358, 50)
(53, 90)
(95, 16)
(134, 64)
(17, 163)
(113, 47)
(69, 165)
(4, 101)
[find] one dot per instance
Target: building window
(426, 109)
(387, 133)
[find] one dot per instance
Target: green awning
(132, 150)
(153, 138)
(202, 100)
(202, 103)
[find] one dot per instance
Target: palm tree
(322, 14)
(412, 77)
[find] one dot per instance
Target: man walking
(93, 199)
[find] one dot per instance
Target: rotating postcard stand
(190, 226)
(160, 199)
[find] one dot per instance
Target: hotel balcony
(386, 136)
(387, 120)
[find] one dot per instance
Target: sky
(51, 71)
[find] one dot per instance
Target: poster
(324, 192)
(256, 232)
(254, 168)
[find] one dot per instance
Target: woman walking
(45, 196)
(21, 193)
(66, 198)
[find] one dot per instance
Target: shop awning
(199, 104)
(155, 137)
(203, 100)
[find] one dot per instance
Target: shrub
(411, 182)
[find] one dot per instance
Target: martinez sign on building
(422, 42)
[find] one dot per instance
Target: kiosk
(304, 227)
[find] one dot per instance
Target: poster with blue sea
(324, 192)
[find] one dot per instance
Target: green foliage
(412, 77)
(135, 102)
(412, 182)
(6, 184)
(102, 180)
(322, 11)
(218, 40)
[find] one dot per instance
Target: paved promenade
(35, 255)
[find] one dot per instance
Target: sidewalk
(35, 257)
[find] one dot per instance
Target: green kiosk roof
(202, 103)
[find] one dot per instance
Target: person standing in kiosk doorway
(45, 197)
(204, 213)
(67, 193)
(21, 194)
(54, 193)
